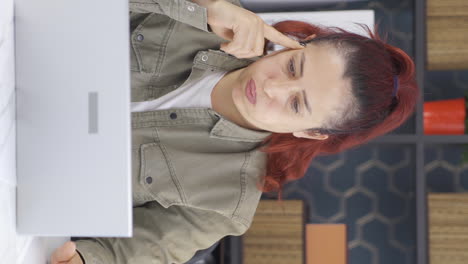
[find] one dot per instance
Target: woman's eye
(291, 67)
(295, 105)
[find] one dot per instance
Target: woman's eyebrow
(306, 102)
(302, 64)
(304, 95)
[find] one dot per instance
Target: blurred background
(371, 191)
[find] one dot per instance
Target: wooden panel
(276, 234)
(448, 228)
(447, 34)
(447, 8)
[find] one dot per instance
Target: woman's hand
(245, 30)
(66, 254)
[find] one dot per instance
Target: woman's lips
(250, 91)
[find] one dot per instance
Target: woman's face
(295, 89)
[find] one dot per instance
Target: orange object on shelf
(326, 243)
(445, 117)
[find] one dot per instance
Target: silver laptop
(73, 118)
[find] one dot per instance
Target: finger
(279, 38)
(63, 253)
(310, 37)
(249, 46)
(259, 41)
(76, 259)
(240, 35)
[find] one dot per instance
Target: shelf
(426, 139)
(422, 254)
(446, 139)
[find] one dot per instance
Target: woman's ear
(310, 135)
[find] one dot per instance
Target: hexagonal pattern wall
(371, 190)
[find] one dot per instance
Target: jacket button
(191, 8)
(173, 115)
(204, 58)
(140, 37)
(149, 180)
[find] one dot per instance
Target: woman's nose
(280, 89)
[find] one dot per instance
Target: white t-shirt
(194, 94)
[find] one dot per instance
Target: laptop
(72, 67)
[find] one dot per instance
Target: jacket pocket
(158, 177)
(149, 41)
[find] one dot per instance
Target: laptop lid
(73, 118)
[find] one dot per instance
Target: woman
(211, 131)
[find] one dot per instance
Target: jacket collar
(218, 60)
(224, 129)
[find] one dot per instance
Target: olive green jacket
(194, 173)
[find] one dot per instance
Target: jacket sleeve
(184, 11)
(160, 236)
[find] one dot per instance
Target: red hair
(371, 65)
